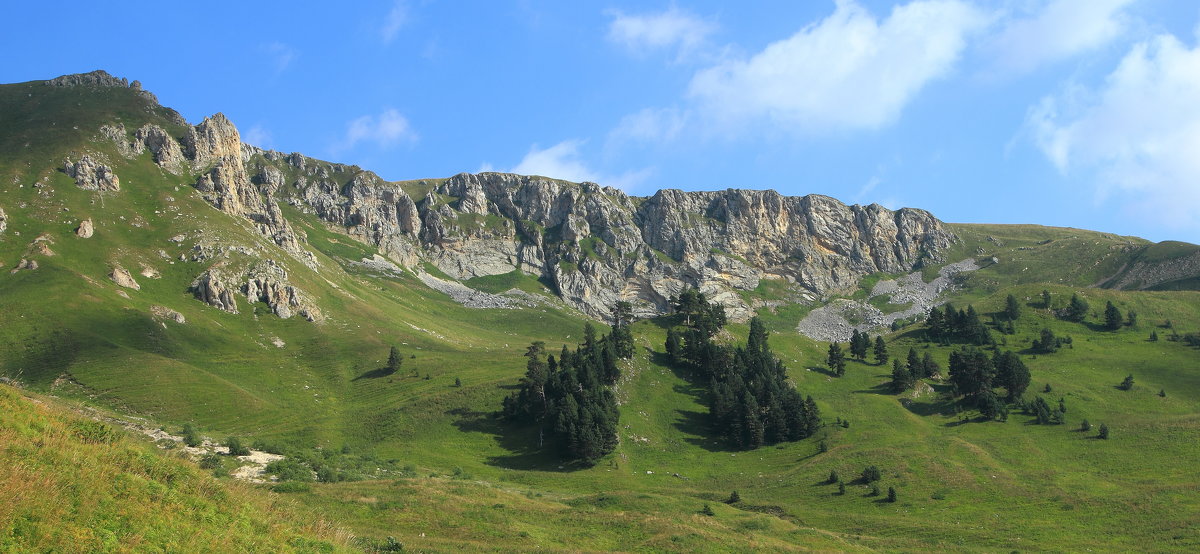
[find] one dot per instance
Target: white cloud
(394, 21)
(650, 125)
(258, 135)
(281, 54)
(1060, 30)
(385, 129)
(563, 161)
(673, 28)
(560, 161)
(1138, 133)
(849, 71)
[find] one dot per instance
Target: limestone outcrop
(85, 230)
(211, 289)
(91, 175)
(3, 220)
(121, 276)
(267, 283)
(597, 245)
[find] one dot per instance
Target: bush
(871, 474)
(210, 461)
(1127, 384)
(236, 448)
(833, 477)
(291, 486)
(707, 510)
(94, 432)
(191, 437)
(1103, 434)
(1085, 426)
(734, 498)
(891, 494)
(288, 469)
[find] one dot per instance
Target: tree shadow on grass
(884, 388)
(521, 441)
(823, 371)
(375, 374)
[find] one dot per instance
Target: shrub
(833, 477)
(236, 448)
(1103, 434)
(291, 486)
(870, 474)
(891, 494)
(734, 498)
(707, 510)
(210, 461)
(191, 437)
(288, 469)
(94, 432)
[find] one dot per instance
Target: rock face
(215, 145)
(122, 277)
(210, 289)
(597, 245)
(3, 220)
(267, 283)
(100, 78)
(91, 175)
(85, 229)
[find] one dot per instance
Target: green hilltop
(421, 455)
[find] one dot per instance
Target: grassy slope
(482, 486)
(65, 489)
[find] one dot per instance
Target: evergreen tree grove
(750, 401)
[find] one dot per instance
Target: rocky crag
(594, 245)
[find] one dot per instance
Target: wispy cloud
(259, 136)
(395, 19)
(671, 29)
(1059, 30)
(282, 55)
(1137, 134)
(564, 161)
(386, 129)
(650, 125)
(849, 71)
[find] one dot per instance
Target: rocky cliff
(597, 245)
(594, 245)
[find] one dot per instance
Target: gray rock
(3, 220)
(167, 313)
(122, 277)
(91, 175)
(85, 229)
(167, 152)
(210, 289)
(267, 283)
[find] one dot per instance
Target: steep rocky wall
(597, 245)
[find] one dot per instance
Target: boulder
(85, 230)
(122, 277)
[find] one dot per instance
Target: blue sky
(1081, 113)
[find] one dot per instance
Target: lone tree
(891, 494)
(1127, 384)
(1103, 434)
(1046, 299)
(734, 498)
(1012, 309)
(394, 360)
(1112, 317)
(1077, 310)
(870, 474)
(837, 359)
(881, 351)
(833, 477)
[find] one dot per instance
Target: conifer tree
(902, 379)
(836, 359)
(394, 360)
(1077, 310)
(1012, 309)
(1045, 299)
(1103, 434)
(1112, 317)
(881, 351)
